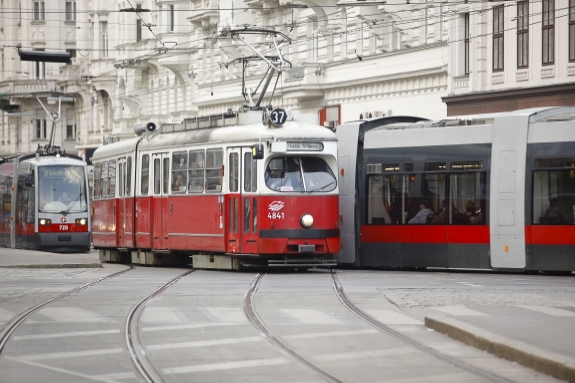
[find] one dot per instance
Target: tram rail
(397, 335)
(9, 329)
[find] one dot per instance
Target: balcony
(204, 18)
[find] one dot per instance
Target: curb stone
(556, 365)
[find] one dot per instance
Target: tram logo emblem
(276, 205)
(63, 219)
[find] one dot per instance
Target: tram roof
(534, 115)
(252, 133)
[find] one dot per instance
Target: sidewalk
(535, 340)
(38, 259)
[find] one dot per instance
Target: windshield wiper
(64, 212)
(322, 187)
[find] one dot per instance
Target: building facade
(166, 60)
(511, 55)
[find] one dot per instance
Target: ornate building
(167, 60)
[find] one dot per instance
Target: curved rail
(14, 323)
(345, 300)
(253, 317)
(143, 365)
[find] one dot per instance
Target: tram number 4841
(64, 227)
(276, 215)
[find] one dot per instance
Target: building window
(314, 40)
(71, 128)
(38, 10)
(104, 38)
(138, 25)
(571, 30)
(466, 42)
(138, 30)
(498, 38)
(172, 19)
(548, 30)
(40, 125)
(522, 34)
(70, 11)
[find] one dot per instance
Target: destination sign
(305, 146)
(60, 171)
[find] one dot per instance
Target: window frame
(466, 44)
(103, 39)
(39, 11)
(571, 27)
(70, 10)
(498, 40)
(548, 33)
(195, 171)
(523, 34)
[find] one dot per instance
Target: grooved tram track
(143, 365)
(11, 326)
(253, 317)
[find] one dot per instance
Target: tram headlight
(81, 221)
(306, 220)
(44, 222)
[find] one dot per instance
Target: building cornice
(510, 93)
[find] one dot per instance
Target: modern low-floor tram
(493, 191)
(233, 193)
(44, 202)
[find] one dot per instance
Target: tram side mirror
(258, 151)
(30, 179)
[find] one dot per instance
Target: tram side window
(214, 176)
(97, 179)
(145, 174)
(157, 176)
(104, 179)
(234, 171)
(129, 176)
(166, 175)
(196, 171)
(112, 175)
(554, 191)
(468, 196)
(121, 171)
(433, 197)
(179, 172)
(250, 173)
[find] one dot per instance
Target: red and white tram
(44, 202)
(494, 191)
(227, 191)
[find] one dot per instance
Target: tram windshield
(62, 189)
(303, 174)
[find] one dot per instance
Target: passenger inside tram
(552, 215)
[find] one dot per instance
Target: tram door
(159, 208)
(242, 203)
(121, 204)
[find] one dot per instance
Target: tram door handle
(171, 210)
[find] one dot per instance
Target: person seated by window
(196, 184)
(472, 214)
(421, 216)
(552, 215)
(440, 218)
(64, 198)
(292, 182)
(177, 182)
